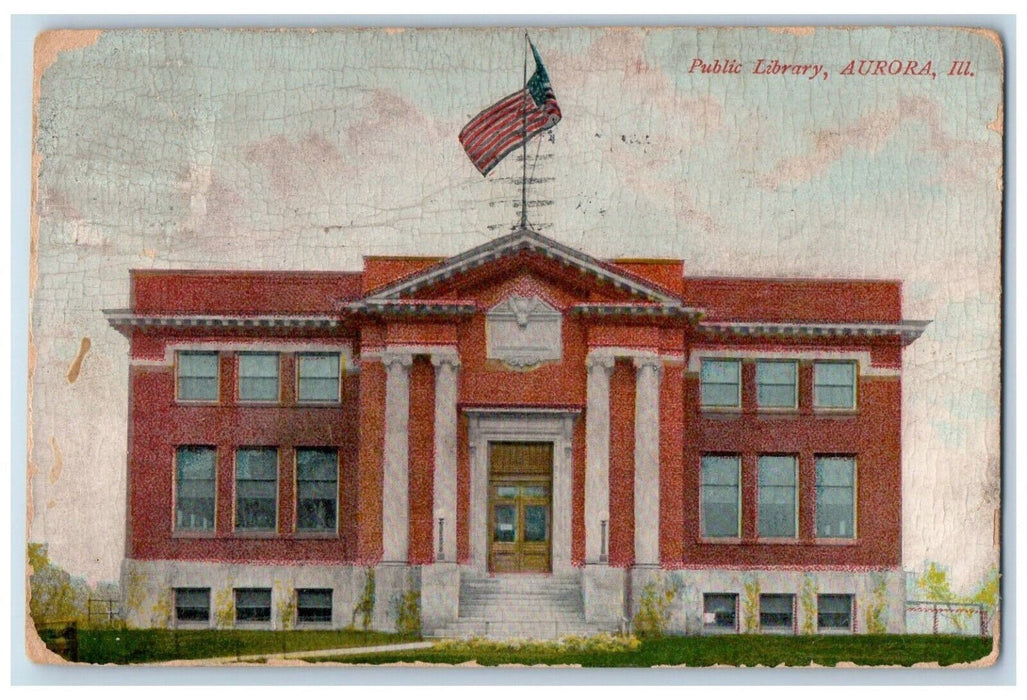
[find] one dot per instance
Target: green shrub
(365, 606)
(751, 614)
(654, 610)
(408, 613)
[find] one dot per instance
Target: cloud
(958, 158)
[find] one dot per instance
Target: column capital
(643, 362)
(602, 362)
(447, 357)
(398, 358)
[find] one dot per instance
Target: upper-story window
(194, 488)
(721, 383)
(258, 376)
(196, 376)
(778, 504)
(836, 497)
(834, 385)
(317, 489)
(720, 495)
(256, 488)
(776, 384)
(318, 377)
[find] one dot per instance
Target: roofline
(907, 331)
(512, 242)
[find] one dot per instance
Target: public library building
(525, 440)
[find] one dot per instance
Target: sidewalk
(310, 653)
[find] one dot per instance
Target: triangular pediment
(495, 252)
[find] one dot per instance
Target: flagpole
(524, 143)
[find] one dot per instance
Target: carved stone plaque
(523, 332)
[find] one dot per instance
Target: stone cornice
(667, 310)
(404, 307)
(123, 319)
(906, 331)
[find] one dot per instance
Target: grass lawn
(743, 650)
(142, 646)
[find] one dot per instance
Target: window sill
(721, 410)
(778, 410)
(255, 534)
(779, 540)
(197, 402)
(192, 625)
(194, 534)
(314, 535)
(835, 632)
(778, 631)
(317, 404)
(258, 404)
(720, 540)
(836, 541)
(835, 412)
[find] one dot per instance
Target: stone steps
(519, 607)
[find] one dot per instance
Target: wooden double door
(520, 507)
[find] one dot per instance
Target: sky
(308, 149)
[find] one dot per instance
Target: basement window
(777, 612)
(314, 605)
(834, 613)
(253, 605)
(720, 612)
(192, 605)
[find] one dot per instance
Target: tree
(57, 596)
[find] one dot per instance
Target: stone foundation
(610, 595)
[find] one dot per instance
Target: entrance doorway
(520, 507)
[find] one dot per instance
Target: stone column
(446, 368)
(396, 457)
(648, 371)
(597, 460)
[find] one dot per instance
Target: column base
(440, 595)
(602, 591)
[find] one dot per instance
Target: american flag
(499, 129)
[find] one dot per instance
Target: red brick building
(525, 439)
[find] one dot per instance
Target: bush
(653, 610)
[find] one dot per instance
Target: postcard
(604, 346)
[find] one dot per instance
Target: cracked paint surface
(307, 150)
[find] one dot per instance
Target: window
(776, 385)
(192, 604)
(256, 488)
(318, 377)
(317, 488)
(834, 385)
(777, 612)
(836, 497)
(314, 605)
(834, 612)
(194, 488)
(253, 605)
(719, 611)
(258, 376)
(720, 506)
(778, 505)
(197, 378)
(721, 383)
